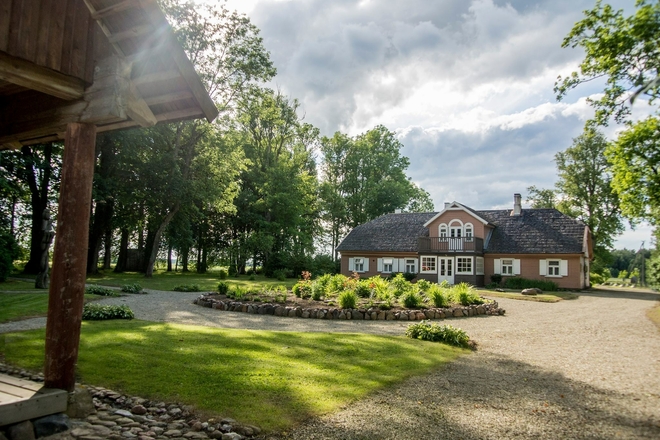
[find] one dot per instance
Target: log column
(67, 286)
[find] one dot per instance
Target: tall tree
(542, 198)
(585, 187)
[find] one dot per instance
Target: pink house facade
(459, 244)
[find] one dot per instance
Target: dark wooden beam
(41, 79)
(67, 285)
(114, 9)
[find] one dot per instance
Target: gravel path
(581, 369)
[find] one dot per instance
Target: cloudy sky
(466, 84)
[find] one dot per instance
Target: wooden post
(67, 286)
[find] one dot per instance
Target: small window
(387, 265)
(411, 266)
(479, 265)
(428, 264)
(359, 265)
(468, 232)
(553, 268)
(464, 265)
(507, 267)
(443, 231)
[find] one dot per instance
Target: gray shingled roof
(389, 232)
(543, 231)
(534, 231)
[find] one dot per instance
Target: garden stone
(439, 314)
(458, 313)
(50, 425)
(429, 314)
(172, 433)
(216, 434)
(390, 316)
(197, 426)
(292, 313)
(195, 435)
(532, 291)
(481, 310)
(367, 316)
(470, 311)
(342, 315)
(403, 316)
(21, 431)
(232, 436)
(420, 316)
(80, 403)
(305, 314)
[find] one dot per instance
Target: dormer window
(442, 230)
(468, 231)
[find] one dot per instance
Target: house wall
(529, 268)
(448, 216)
(373, 261)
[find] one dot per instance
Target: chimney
(517, 207)
(447, 204)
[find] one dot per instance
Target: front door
(446, 269)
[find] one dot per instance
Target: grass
(14, 306)
(163, 280)
(23, 286)
(271, 379)
(654, 315)
(543, 297)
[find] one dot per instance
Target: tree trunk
(123, 251)
(185, 255)
(169, 257)
(102, 215)
(38, 202)
(155, 242)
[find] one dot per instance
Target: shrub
(524, 283)
(252, 278)
(409, 276)
(302, 289)
(98, 312)
(380, 287)
(238, 293)
(363, 289)
(222, 274)
(438, 295)
(336, 283)
(317, 292)
(424, 285)
(595, 278)
(280, 297)
(447, 334)
(410, 299)
(100, 290)
(9, 251)
(279, 274)
(496, 278)
(399, 285)
(132, 288)
(249, 272)
(347, 299)
(466, 295)
(223, 288)
(186, 288)
(320, 287)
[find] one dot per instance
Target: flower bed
(214, 301)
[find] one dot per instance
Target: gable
(453, 209)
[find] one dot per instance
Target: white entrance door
(446, 269)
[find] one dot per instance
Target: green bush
(132, 288)
(399, 285)
(362, 289)
(465, 294)
(238, 293)
(410, 299)
(336, 284)
(279, 275)
(347, 299)
(303, 289)
(9, 252)
(223, 288)
(252, 277)
(222, 274)
(100, 290)
(496, 278)
(186, 288)
(424, 285)
(98, 312)
(524, 283)
(596, 278)
(409, 276)
(447, 334)
(438, 295)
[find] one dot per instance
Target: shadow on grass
(612, 292)
(488, 396)
(271, 379)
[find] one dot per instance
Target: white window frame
(479, 265)
(507, 267)
(410, 263)
(456, 227)
(358, 264)
(468, 227)
(432, 260)
(443, 230)
(388, 262)
(467, 269)
(553, 268)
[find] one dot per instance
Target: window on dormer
(443, 231)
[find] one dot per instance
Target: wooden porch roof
(113, 63)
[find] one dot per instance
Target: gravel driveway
(580, 369)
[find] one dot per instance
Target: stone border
(361, 314)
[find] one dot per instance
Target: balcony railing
(448, 244)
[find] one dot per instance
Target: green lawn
(270, 379)
(23, 286)
(14, 306)
(163, 280)
(550, 297)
